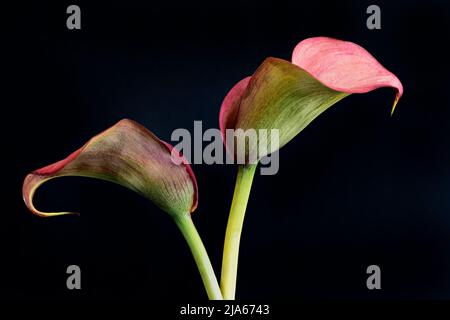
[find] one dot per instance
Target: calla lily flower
(130, 155)
(287, 96)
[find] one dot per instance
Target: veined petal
(282, 96)
(288, 96)
(344, 66)
(130, 155)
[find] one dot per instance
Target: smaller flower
(130, 155)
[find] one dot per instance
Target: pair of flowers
(280, 95)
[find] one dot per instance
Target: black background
(355, 188)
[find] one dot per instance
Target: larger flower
(287, 95)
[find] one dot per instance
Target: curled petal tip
(31, 183)
(397, 98)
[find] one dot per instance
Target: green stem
(187, 227)
(234, 229)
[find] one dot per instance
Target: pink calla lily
(289, 95)
(286, 96)
(344, 66)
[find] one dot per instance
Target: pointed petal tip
(31, 182)
(55, 214)
(397, 98)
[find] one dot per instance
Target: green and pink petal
(130, 155)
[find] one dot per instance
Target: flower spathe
(130, 155)
(344, 66)
(287, 95)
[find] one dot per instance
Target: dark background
(355, 188)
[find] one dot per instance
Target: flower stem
(190, 233)
(234, 229)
